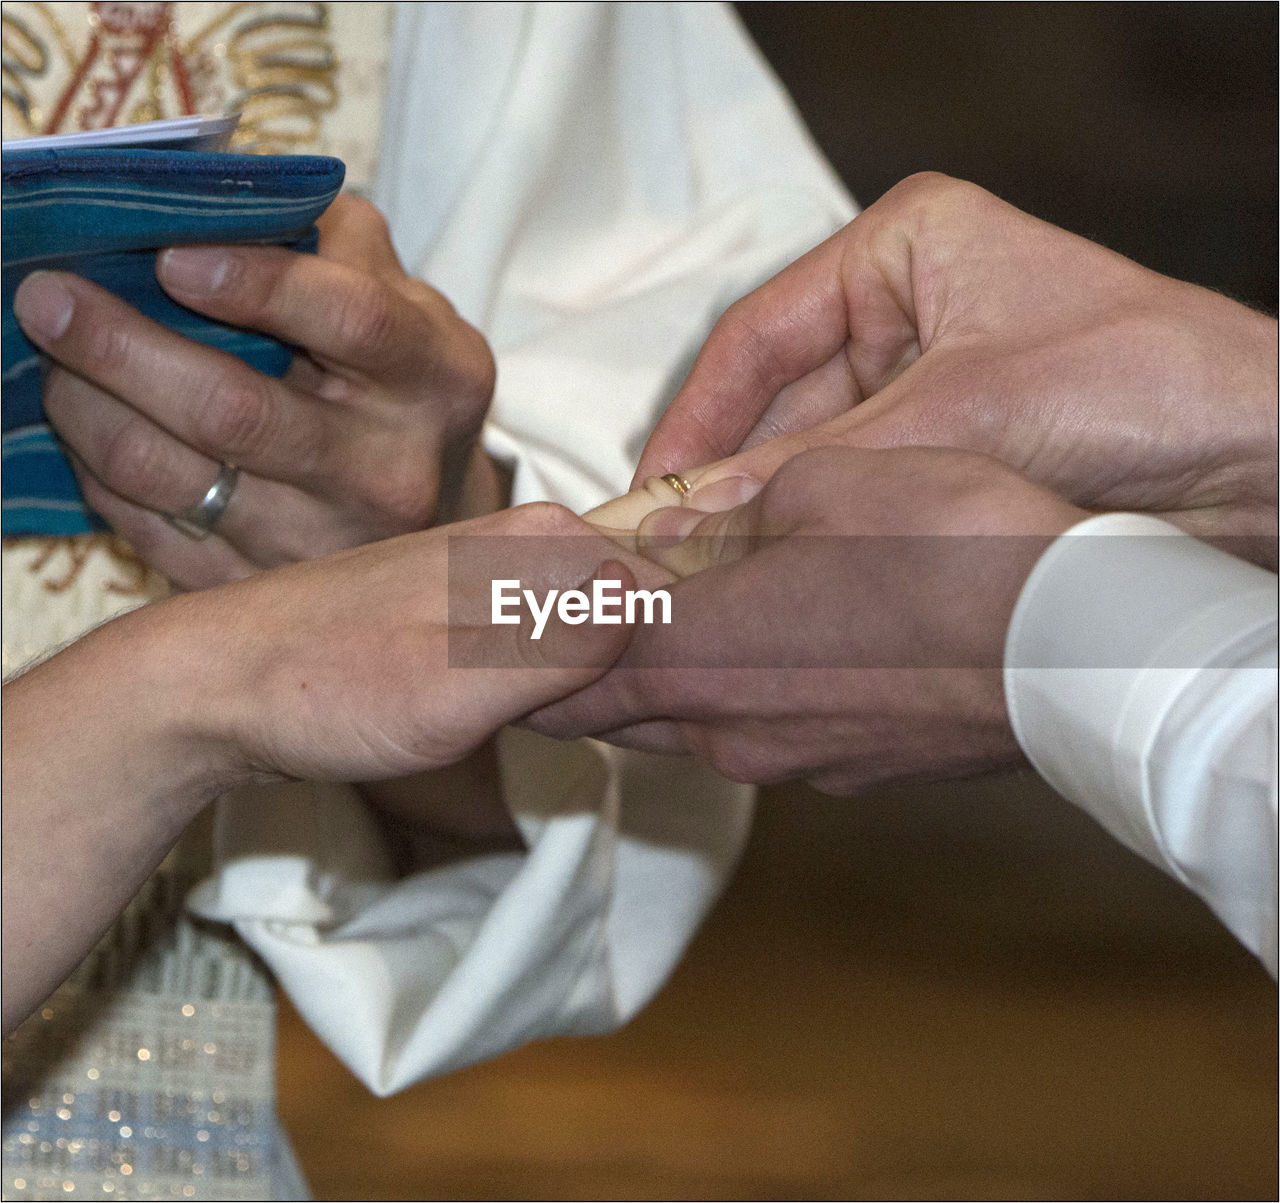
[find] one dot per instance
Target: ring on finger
(201, 518)
(678, 483)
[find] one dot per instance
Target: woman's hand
(372, 433)
(384, 660)
(372, 663)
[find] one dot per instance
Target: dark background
(1148, 127)
(965, 991)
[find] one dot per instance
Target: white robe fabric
(590, 185)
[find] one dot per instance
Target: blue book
(104, 211)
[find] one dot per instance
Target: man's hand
(943, 316)
(372, 433)
(846, 625)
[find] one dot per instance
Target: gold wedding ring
(678, 483)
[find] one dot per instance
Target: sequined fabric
(149, 1073)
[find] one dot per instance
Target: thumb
(685, 540)
(547, 655)
(789, 326)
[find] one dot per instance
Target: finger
(124, 449)
(785, 329)
(921, 407)
(269, 523)
(619, 518)
(825, 393)
(662, 737)
(205, 398)
(685, 541)
(542, 667)
(622, 514)
(344, 316)
(729, 482)
(186, 562)
(354, 232)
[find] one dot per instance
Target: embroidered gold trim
(78, 549)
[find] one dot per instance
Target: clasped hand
(866, 645)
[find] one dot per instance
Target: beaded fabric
(149, 1073)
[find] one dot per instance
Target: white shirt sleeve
(590, 185)
(1140, 674)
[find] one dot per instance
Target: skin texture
(942, 316)
(346, 668)
(371, 434)
(847, 635)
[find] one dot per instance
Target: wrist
(483, 487)
(1234, 501)
(169, 700)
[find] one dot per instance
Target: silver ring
(201, 518)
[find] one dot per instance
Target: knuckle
(358, 210)
(935, 192)
(134, 465)
(547, 518)
(107, 348)
(476, 371)
(924, 183)
(744, 339)
(235, 417)
(403, 496)
(365, 319)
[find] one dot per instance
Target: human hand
(943, 316)
(372, 433)
(845, 625)
(371, 663)
(382, 661)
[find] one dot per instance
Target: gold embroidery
(26, 57)
(273, 62)
(78, 549)
(286, 70)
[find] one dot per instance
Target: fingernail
(196, 270)
(43, 305)
(727, 493)
(670, 526)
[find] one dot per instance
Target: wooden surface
(961, 992)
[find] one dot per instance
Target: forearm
(101, 774)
